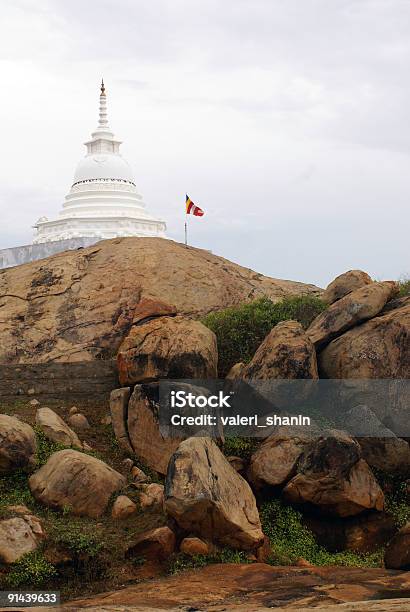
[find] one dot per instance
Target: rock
(174, 347)
(376, 349)
(381, 448)
(112, 278)
(208, 498)
(138, 475)
(55, 429)
(79, 421)
(274, 462)
(19, 509)
(157, 544)
(145, 437)
(77, 481)
(286, 352)
(354, 308)
(128, 465)
(150, 309)
(106, 420)
(152, 497)
(87, 447)
(236, 371)
(73, 410)
(119, 399)
(194, 546)
(123, 507)
(264, 552)
(18, 445)
(344, 284)
(237, 463)
(19, 536)
(363, 533)
(34, 403)
(397, 555)
(31, 391)
(332, 476)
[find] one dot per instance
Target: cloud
(286, 120)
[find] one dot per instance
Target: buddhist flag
(192, 209)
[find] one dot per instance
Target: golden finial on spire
(102, 87)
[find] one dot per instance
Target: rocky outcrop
(286, 352)
(174, 347)
(397, 555)
(344, 284)
(18, 445)
(354, 308)
(19, 536)
(79, 305)
(144, 434)
(152, 496)
(333, 477)
(79, 421)
(208, 498)
(156, 545)
(55, 429)
(73, 480)
(274, 462)
(379, 348)
(256, 587)
(236, 371)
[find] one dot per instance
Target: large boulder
(77, 481)
(333, 477)
(354, 308)
(144, 435)
(274, 462)
(286, 352)
(379, 348)
(174, 347)
(397, 555)
(344, 284)
(55, 429)
(381, 448)
(79, 305)
(18, 536)
(18, 445)
(208, 498)
(364, 533)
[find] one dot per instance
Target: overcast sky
(287, 121)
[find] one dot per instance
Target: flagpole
(186, 231)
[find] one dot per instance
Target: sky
(285, 120)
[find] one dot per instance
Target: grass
(291, 540)
(182, 562)
(240, 330)
(32, 570)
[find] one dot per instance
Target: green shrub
(291, 540)
(32, 570)
(14, 491)
(227, 555)
(240, 330)
(404, 287)
(78, 536)
(240, 447)
(45, 447)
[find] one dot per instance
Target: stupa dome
(103, 166)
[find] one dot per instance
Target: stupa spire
(103, 121)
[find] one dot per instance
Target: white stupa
(103, 201)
